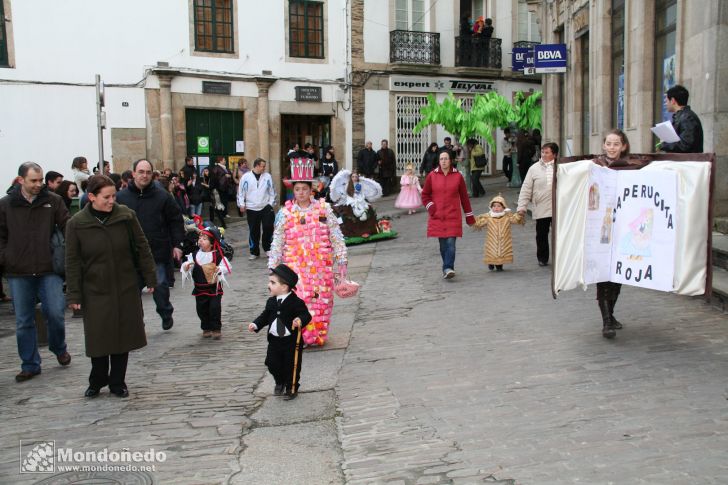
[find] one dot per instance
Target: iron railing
(408, 47)
(476, 51)
(525, 43)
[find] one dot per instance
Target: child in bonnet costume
(498, 242)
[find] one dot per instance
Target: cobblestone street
(481, 379)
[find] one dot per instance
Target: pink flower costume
(308, 241)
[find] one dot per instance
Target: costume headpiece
(302, 170)
(498, 198)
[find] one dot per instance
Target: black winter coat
(366, 161)
(429, 162)
(159, 216)
(688, 127)
(26, 229)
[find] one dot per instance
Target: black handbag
(480, 161)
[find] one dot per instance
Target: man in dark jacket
(387, 167)
(189, 169)
(366, 161)
(221, 183)
(161, 220)
(28, 217)
(686, 123)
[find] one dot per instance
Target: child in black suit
(285, 314)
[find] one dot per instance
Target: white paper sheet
(665, 132)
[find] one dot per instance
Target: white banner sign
(630, 228)
(439, 85)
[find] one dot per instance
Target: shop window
(214, 26)
(306, 29)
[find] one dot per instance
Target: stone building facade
(403, 50)
(623, 55)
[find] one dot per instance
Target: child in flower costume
(307, 238)
(498, 242)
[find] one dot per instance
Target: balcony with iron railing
(479, 52)
(414, 48)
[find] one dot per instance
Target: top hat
(286, 274)
(302, 169)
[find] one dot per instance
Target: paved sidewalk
(486, 378)
(482, 379)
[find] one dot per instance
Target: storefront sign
(439, 85)
(308, 93)
(550, 58)
(212, 87)
(203, 144)
(518, 58)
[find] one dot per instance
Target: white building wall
(73, 40)
(48, 126)
(376, 31)
(376, 116)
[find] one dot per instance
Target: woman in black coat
(430, 159)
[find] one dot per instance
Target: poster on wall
(630, 232)
(202, 164)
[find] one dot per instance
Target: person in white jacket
(256, 197)
(536, 189)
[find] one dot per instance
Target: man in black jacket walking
(686, 123)
(28, 217)
(161, 220)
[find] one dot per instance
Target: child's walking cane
(293, 393)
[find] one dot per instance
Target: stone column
(264, 85)
(165, 120)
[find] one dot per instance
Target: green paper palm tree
(489, 111)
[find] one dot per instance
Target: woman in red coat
(443, 196)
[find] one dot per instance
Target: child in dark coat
(285, 314)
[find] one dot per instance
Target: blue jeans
(447, 251)
(161, 291)
(196, 209)
(49, 289)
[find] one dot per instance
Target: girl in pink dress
(409, 196)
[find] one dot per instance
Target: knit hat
(286, 274)
(498, 198)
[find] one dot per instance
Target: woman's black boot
(608, 329)
(615, 322)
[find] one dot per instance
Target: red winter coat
(444, 196)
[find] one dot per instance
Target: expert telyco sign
(439, 85)
(550, 58)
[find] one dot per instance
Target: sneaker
(167, 323)
(207, 334)
(449, 274)
(253, 257)
(491, 267)
(26, 375)
(64, 359)
(216, 335)
(278, 390)
(542, 263)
